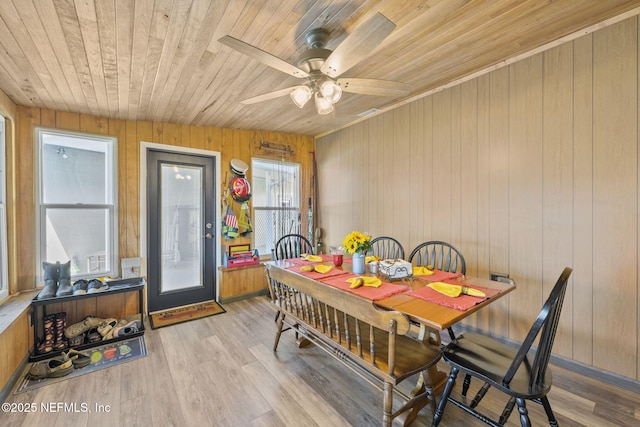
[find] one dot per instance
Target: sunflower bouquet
(357, 242)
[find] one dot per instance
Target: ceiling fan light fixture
(301, 95)
(323, 105)
(331, 90)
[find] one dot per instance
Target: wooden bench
(368, 340)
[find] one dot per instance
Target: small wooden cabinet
(242, 282)
(124, 298)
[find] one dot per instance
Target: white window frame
(112, 208)
(294, 205)
(4, 259)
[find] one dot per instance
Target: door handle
(208, 236)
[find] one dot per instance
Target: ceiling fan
(322, 67)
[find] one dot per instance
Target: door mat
(101, 357)
(185, 313)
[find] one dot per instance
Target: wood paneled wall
(527, 169)
(232, 144)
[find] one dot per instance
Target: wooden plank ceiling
(160, 60)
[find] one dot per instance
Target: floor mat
(185, 313)
(101, 357)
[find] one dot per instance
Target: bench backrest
(357, 324)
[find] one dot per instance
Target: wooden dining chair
(292, 246)
(386, 248)
(441, 256)
(520, 372)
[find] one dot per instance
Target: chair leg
(506, 413)
(465, 384)
(445, 396)
(387, 404)
(428, 383)
(279, 333)
(547, 409)
(479, 395)
(524, 414)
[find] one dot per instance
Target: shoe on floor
(79, 359)
(53, 368)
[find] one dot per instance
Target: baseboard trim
(571, 365)
(244, 296)
(17, 374)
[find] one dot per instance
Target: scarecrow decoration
(237, 216)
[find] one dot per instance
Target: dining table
(429, 310)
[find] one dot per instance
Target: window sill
(13, 307)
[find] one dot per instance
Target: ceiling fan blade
(358, 45)
(262, 56)
(374, 87)
(269, 95)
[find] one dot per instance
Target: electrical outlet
(501, 277)
(498, 276)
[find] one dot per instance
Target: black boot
(50, 278)
(64, 280)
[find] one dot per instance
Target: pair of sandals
(59, 366)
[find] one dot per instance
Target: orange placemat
(315, 275)
(300, 261)
(440, 276)
(462, 302)
(374, 294)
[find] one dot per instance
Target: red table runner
(462, 302)
(374, 294)
(315, 275)
(300, 261)
(440, 276)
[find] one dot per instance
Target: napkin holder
(394, 269)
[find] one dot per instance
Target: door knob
(208, 235)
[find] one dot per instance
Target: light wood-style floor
(221, 371)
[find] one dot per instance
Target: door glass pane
(182, 227)
(67, 231)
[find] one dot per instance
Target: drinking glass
(338, 255)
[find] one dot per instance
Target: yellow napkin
(371, 258)
(455, 290)
(373, 282)
(323, 268)
(312, 258)
(422, 271)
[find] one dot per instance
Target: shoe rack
(124, 298)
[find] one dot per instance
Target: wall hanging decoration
(237, 214)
